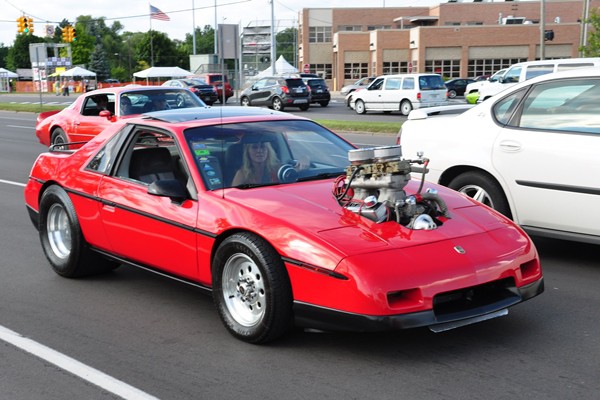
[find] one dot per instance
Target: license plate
(319, 91)
(299, 90)
(300, 101)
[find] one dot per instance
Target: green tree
(18, 54)
(205, 41)
(99, 63)
(3, 55)
(286, 44)
(592, 47)
(161, 49)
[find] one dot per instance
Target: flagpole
(151, 47)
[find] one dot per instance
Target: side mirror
(170, 188)
(105, 114)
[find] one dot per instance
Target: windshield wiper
(255, 185)
(323, 175)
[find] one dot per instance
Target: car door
(548, 156)
(154, 231)
(259, 92)
(89, 123)
(372, 95)
(390, 95)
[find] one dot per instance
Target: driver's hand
(302, 163)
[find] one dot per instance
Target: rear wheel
(452, 93)
(59, 137)
(277, 104)
(251, 289)
(483, 188)
(62, 240)
(324, 103)
(305, 107)
(405, 107)
(359, 107)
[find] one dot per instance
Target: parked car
(206, 92)
(473, 87)
(277, 93)
(216, 80)
(530, 152)
(359, 84)
(83, 119)
(299, 247)
(526, 70)
(403, 93)
(319, 92)
(457, 86)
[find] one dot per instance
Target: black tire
(62, 240)
(359, 107)
(59, 137)
(452, 93)
(324, 103)
(483, 188)
(277, 104)
(305, 107)
(405, 107)
(245, 101)
(251, 289)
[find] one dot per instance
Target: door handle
(510, 146)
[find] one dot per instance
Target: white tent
(162, 72)
(8, 74)
(281, 67)
(77, 71)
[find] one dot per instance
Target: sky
(183, 14)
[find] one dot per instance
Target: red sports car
(333, 238)
(93, 111)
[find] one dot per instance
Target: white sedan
(532, 152)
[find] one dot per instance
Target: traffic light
(25, 25)
(20, 25)
(549, 35)
(73, 34)
(66, 33)
(31, 26)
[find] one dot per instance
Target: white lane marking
(12, 183)
(19, 126)
(73, 366)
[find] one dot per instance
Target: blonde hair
(272, 163)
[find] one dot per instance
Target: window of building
(446, 68)
(319, 34)
(323, 70)
(450, 23)
(490, 66)
(356, 70)
(376, 27)
(350, 28)
(395, 67)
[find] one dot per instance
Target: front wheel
(62, 240)
(324, 103)
(483, 188)
(405, 107)
(359, 107)
(304, 107)
(251, 289)
(452, 93)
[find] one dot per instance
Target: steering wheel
(287, 174)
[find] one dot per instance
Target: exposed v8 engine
(374, 188)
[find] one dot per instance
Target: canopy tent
(77, 71)
(162, 72)
(281, 67)
(6, 73)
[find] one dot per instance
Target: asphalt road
(147, 337)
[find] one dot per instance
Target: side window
(537, 70)
(408, 83)
(563, 106)
(392, 84)
(512, 75)
(376, 85)
(505, 108)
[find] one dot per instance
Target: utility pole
(542, 29)
(273, 44)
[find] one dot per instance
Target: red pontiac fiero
(94, 111)
(333, 238)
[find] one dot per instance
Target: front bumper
(313, 316)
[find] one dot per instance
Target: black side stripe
(314, 268)
(562, 188)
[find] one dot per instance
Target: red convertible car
(332, 238)
(93, 111)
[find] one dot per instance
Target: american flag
(155, 13)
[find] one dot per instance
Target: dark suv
(319, 92)
(277, 93)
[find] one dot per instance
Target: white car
(531, 152)
(475, 86)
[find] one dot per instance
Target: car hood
(310, 208)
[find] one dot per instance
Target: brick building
(455, 39)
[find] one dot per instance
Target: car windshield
(284, 151)
(143, 101)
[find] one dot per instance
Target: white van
(403, 92)
(529, 69)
